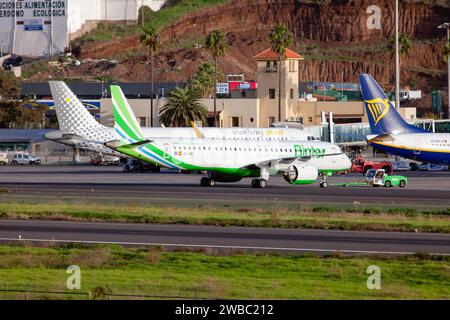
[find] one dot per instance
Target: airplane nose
(347, 162)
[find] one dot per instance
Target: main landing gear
(323, 180)
(259, 183)
(207, 182)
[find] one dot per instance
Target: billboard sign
(33, 27)
(222, 88)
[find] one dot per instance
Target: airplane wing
(284, 161)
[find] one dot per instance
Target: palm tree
(446, 50)
(280, 38)
(203, 79)
(182, 107)
(216, 45)
(404, 45)
(150, 39)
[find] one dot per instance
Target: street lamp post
(397, 61)
(446, 25)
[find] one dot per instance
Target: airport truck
(359, 164)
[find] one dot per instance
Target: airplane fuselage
(238, 157)
(108, 134)
(425, 147)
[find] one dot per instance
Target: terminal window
(235, 121)
(271, 93)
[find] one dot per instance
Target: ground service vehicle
(432, 167)
(359, 164)
(21, 158)
(379, 177)
(400, 166)
(104, 160)
(4, 158)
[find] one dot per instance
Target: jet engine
(301, 173)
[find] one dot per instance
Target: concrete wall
(247, 110)
(83, 14)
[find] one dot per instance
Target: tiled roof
(268, 54)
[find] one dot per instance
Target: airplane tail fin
(73, 118)
(125, 122)
(383, 117)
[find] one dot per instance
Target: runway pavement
(230, 238)
(89, 182)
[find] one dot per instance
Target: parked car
(4, 158)
(400, 166)
(22, 158)
(432, 167)
(12, 61)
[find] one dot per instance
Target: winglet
(197, 130)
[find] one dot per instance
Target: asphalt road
(424, 188)
(264, 239)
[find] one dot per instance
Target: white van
(22, 158)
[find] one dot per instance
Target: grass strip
(372, 219)
(208, 274)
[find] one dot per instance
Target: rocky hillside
(332, 35)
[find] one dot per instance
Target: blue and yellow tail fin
(383, 117)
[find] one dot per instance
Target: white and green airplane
(78, 128)
(227, 160)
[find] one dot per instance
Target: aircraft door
(166, 149)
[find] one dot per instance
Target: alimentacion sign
(33, 27)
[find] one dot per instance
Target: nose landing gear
(323, 180)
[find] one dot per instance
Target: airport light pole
(446, 25)
(397, 61)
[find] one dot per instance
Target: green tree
(280, 38)
(22, 114)
(150, 39)
(216, 46)
(203, 79)
(9, 86)
(404, 45)
(182, 107)
(145, 14)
